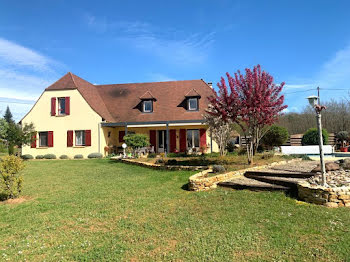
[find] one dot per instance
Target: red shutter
(153, 139)
(50, 139)
(172, 140)
(182, 140)
(53, 106)
(69, 138)
(121, 136)
(33, 144)
(87, 137)
(203, 137)
(67, 105)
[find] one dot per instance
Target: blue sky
(304, 43)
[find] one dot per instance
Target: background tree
(275, 136)
(3, 128)
(253, 101)
(311, 137)
(8, 115)
(219, 129)
(19, 135)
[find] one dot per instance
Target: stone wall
(330, 197)
(202, 181)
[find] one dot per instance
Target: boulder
(330, 166)
(345, 164)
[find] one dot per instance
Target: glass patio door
(162, 141)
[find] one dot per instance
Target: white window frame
(83, 137)
(144, 106)
(47, 139)
(59, 106)
(189, 104)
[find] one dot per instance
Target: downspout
(99, 137)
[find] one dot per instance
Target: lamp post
(318, 109)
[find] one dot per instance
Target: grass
(99, 210)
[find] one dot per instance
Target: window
(80, 138)
(147, 106)
(192, 104)
(43, 139)
(61, 106)
(192, 138)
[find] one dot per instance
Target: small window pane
(61, 106)
(196, 138)
(193, 104)
(147, 106)
(43, 139)
(80, 138)
(189, 139)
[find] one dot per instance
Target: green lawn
(99, 210)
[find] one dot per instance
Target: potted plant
(343, 137)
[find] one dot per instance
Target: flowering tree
(219, 129)
(252, 101)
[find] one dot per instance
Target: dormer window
(147, 106)
(192, 104)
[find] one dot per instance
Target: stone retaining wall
(201, 181)
(330, 197)
(164, 167)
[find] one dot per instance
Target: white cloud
(157, 77)
(12, 54)
(24, 73)
(165, 43)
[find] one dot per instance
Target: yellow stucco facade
(81, 117)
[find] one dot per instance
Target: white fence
(308, 150)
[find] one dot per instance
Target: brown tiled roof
(87, 90)
(121, 102)
(147, 95)
(192, 93)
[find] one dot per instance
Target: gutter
(154, 123)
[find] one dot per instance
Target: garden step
(252, 184)
(290, 182)
(279, 173)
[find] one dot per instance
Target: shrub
(343, 135)
(268, 155)
(136, 141)
(172, 162)
(78, 156)
(152, 155)
(10, 181)
(275, 136)
(231, 145)
(95, 155)
(242, 151)
(311, 137)
(64, 157)
(160, 161)
(39, 157)
(27, 157)
(218, 169)
(50, 156)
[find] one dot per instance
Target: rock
(331, 204)
(330, 166)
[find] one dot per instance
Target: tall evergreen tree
(8, 115)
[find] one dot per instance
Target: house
(73, 116)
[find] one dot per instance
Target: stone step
(279, 173)
(290, 182)
(252, 184)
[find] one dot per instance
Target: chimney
(210, 84)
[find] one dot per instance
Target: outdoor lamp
(312, 100)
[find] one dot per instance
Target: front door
(162, 141)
